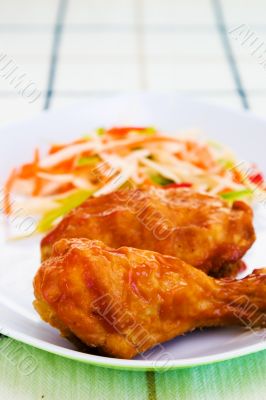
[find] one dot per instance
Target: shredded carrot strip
(26, 171)
(124, 130)
(55, 148)
(37, 180)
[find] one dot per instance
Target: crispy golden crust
(202, 230)
(125, 301)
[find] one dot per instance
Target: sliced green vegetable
(100, 131)
(228, 164)
(160, 180)
(65, 206)
(150, 130)
(82, 161)
(236, 195)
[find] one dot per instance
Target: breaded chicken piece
(201, 230)
(125, 301)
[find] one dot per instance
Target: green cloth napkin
(30, 374)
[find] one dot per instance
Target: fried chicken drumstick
(125, 301)
(202, 230)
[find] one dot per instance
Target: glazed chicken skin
(125, 301)
(202, 230)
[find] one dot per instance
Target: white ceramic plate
(245, 133)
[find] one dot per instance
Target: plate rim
(141, 94)
(131, 365)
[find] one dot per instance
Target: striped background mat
(74, 49)
(51, 377)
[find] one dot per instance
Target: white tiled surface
(99, 12)
(177, 12)
(203, 76)
(247, 11)
(73, 49)
(85, 77)
(98, 46)
(27, 12)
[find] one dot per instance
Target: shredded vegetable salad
(125, 157)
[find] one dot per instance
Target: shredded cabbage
(65, 206)
(237, 194)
